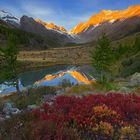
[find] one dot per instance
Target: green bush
(30, 97)
(105, 87)
(22, 101)
(18, 127)
(130, 66)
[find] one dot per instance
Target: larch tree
(102, 58)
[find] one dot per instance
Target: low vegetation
(111, 116)
(32, 96)
(128, 55)
(99, 116)
(112, 62)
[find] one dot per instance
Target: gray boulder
(32, 107)
(125, 90)
(59, 92)
(48, 98)
(135, 79)
(1, 117)
(9, 109)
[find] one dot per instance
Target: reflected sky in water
(28, 79)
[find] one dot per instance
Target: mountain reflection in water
(52, 76)
(79, 77)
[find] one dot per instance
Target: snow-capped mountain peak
(9, 18)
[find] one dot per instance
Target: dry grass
(67, 55)
(79, 90)
(56, 56)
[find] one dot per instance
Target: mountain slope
(107, 16)
(51, 26)
(30, 25)
(26, 40)
(117, 30)
(116, 24)
(55, 35)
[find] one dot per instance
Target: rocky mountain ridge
(116, 24)
(107, 16)
(51, 26)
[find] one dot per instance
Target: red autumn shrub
(86, 113)
(48, 130)
(128, 106)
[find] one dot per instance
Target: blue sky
(67, 13)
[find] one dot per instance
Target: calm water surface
(28, 79)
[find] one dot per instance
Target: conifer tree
(9, 65)
(102, 58)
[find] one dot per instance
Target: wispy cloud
(38, 11)
(35, 10)
(51, 14)
(72, 20)
(67, 13)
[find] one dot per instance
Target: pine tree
(9, 63)
(102, 58)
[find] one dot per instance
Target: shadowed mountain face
(9, 18)
(116, 24)
(116, 30)
(30, 25)
(3, 23)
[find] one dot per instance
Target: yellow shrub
(104, 111)
(104, 128)
(128, 132)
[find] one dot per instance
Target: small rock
(49, 98)
(42, 110)
(7, 116)
(15, 111)
(112, 91)
(8, 109)
(32, 107)
(135, 79)
(50, 103)
(59, 92)
(125, 90)
(1, 117)
(67, 89)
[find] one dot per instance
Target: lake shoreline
(27, 66)
(41, 72)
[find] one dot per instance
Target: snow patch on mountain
(9, 18)
(112, 21)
